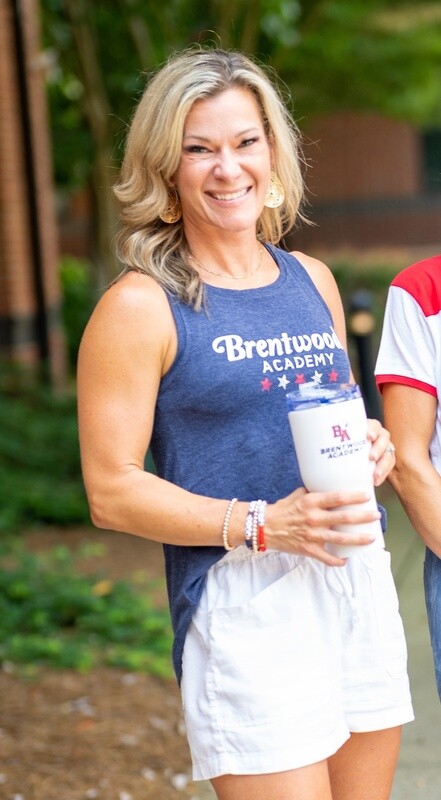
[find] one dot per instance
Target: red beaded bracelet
(254, 526)
(261, 546)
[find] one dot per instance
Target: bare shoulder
(132, 313)
(133, 293)
(136, 300)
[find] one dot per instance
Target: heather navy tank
(221, 424)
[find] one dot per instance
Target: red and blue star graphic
(266, 384)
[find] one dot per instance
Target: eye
(195, 148)
(249, 142)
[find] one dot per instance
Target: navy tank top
(221, 425)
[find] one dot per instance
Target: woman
(291, 661)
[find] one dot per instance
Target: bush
(51, 614)
(40, 472)
(374, 279)
(79, 298)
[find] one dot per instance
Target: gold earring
(275, 194)
(173, 212)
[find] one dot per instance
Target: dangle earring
(173, 212)
(275, 194)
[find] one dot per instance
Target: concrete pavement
(418, 776)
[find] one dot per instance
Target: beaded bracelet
(261, 546)
(225, 541)
(255, 526)
(249, 525)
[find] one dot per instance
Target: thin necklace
(222, 274)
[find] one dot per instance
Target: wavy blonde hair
(153, 150)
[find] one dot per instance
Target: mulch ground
(107, 734)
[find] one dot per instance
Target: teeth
(231, 196)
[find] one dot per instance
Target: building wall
(366, 186)
(17, 301)
(30, 329)
(361, 156)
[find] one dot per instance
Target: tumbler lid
(310, 395)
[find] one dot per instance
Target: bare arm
(410, 416)
(128, 344)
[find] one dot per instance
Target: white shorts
(285, 657)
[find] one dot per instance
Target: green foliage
(382, 56)
(40, 473)
(51, 614)
(40, 468)
(102, 48)
(374, 278)
(79, 298)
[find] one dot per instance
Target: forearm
(419, 488)
(145, 505)
(140, 503)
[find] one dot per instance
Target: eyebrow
(207, 139)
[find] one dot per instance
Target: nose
(227, 164)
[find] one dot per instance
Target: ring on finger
(390, 449)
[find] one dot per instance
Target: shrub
(79, 298)
(51, 614)
(40, 472)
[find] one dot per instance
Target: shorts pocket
(269, 655)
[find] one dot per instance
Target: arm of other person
(410, 416)
(406, 372)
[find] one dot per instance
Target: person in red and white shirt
(408, 373)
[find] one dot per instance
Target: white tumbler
(329, 428)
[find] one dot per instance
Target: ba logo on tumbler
(341, 433)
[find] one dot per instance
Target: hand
(382, 451)
(303, 523)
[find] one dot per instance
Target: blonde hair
(152, 154)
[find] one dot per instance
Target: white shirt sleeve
(408, 343)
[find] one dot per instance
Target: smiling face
(225, 164)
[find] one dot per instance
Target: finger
(319, 551)
(320, 554)
(313, 516)
(379, 445)
(330, 500)
(343, 538)
(374, 428)
(384, 465)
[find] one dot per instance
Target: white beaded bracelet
(225, 541)
(249, 524)
(254, 526)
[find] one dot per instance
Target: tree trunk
(98, 112)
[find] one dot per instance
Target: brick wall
(366, 186)
(30, 329)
